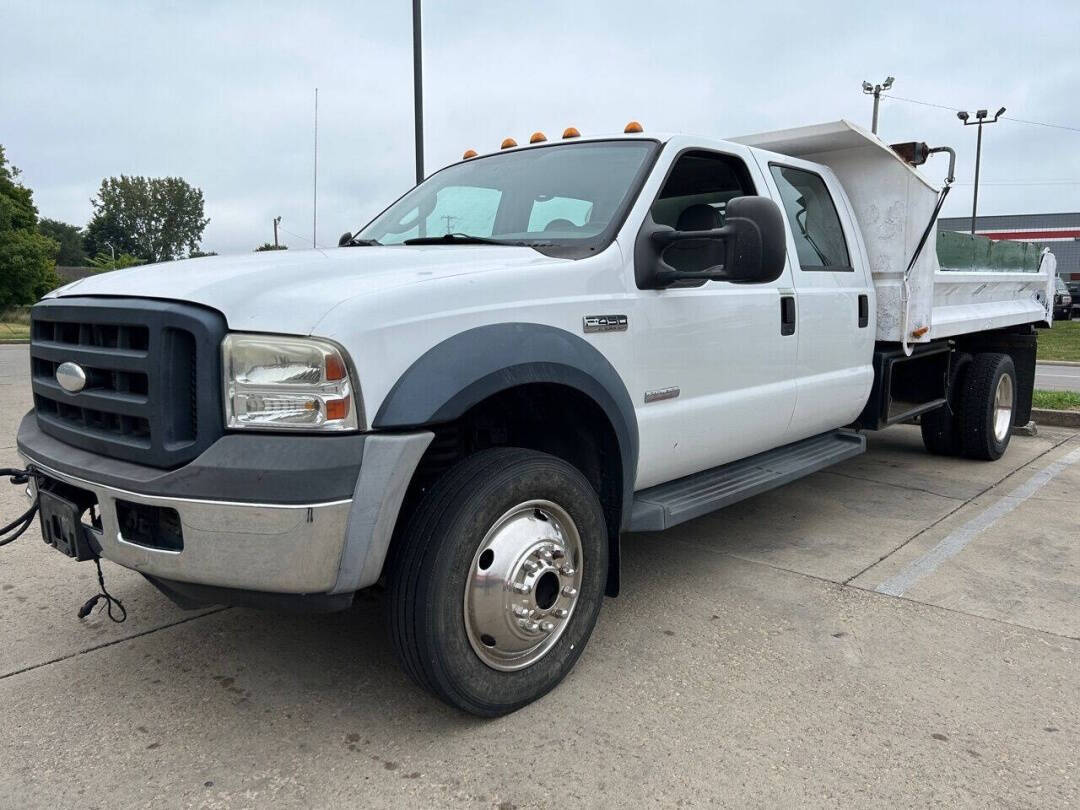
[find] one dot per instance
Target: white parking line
(955, 542)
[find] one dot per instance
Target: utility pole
(315, 174)
(980, 119)
(276, 221)
(875, 91)
(418, 91)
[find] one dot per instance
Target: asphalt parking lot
(898, 630)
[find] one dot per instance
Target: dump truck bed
(982, 285)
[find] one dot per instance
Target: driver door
(714, 362)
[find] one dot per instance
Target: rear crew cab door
(834, 370)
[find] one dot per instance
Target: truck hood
(290, 291)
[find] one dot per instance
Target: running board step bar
(675, 502)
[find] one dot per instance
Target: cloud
(222, 94)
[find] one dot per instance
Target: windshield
(566, 194)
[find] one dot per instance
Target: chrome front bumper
(330, 547)
(250, 546)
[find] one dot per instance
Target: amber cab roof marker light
(469, 153)
(538, 137)
(571, 132)
(508, 143)
(633, 127)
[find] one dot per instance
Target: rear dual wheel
(977, 420)
(495, 586)
(987, 406)
(941, 428)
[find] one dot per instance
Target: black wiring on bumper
(18, 526)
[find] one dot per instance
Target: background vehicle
(1074, 290)
(1063, 301)
(527, 355)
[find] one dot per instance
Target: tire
(941, 428)
(441, 616)
(986, 426)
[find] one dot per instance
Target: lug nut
(532, 627)
(520, 611)
(521, 587)
(547, 627)
(560, 612)
(567, 570)
(568, 591)
(531, 566)
(558, 553)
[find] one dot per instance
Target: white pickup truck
(525, 356)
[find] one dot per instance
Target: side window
(558, 214)
(694, 198)
(815, 225)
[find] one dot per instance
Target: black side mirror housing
(753, 239)
(345, 239)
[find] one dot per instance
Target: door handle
(864, 311)
(787, 314)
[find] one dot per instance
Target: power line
(1025, 183)
(298, 236)
(923, 103)
(1006, 117)
(1041, 124)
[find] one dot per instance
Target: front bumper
(282, 543)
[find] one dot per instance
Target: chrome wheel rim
(523, 585)
(1003, 407)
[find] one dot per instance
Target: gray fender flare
(463, 370)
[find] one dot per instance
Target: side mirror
(345, 239)
(753, 245)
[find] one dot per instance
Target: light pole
(980, 119)
(875, 91)
(418, 92)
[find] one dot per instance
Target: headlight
(286, 383)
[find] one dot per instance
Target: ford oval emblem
(71, 377)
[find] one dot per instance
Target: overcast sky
(222, 93)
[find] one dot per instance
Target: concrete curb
(1045, 416)
(13, 342)
(1057, 363)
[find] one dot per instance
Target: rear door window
(815, 225)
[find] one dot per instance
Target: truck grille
(152, 377)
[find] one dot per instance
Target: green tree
(156, 218)
(268, 246)
(27, 258)
(70, 239)
(105, 261)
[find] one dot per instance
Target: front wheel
(495, 585)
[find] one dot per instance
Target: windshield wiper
(455, 238)
(347, 240)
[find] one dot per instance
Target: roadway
(1056, 377)
(898, 630)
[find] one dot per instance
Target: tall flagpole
(418, 91)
